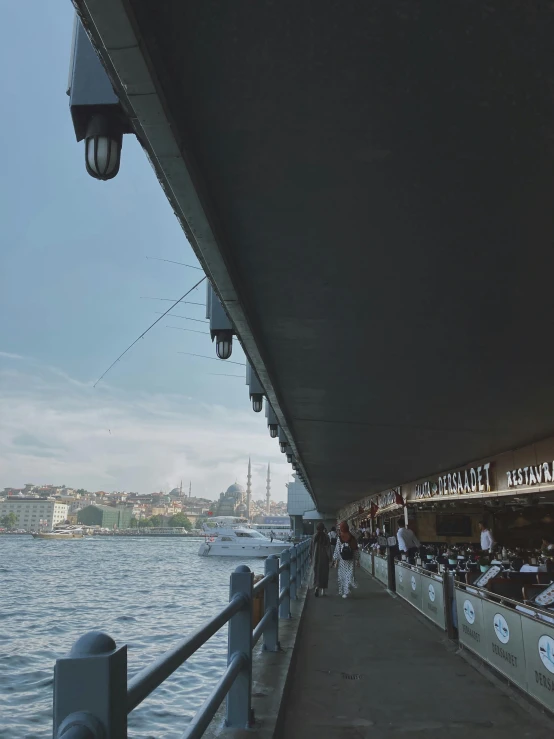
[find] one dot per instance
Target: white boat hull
(232, 549)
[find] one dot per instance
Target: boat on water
(67, 533)
(238, 541)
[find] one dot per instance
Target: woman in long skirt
(320, 554)
(347, 555)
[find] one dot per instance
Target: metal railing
(92, 697)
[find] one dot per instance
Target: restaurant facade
(512, 491)
(499, 609)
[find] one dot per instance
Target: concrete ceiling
(378, 179)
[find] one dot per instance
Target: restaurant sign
(390, 498)
(469, 480)
(532, 475)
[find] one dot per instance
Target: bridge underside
(379, 179)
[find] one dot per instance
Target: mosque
(236, 500)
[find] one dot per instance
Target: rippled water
(148, 593)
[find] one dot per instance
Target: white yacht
(239, 542)
(69, 532)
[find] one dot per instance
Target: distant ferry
(67, 533)
(280, 531)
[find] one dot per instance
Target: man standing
(487, 542)
(407, 541)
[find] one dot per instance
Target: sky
(73, 277)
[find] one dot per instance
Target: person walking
(487, 542)
(320, 555)
(407, 541)
(333, 537)
(347, 555)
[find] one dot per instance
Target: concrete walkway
(369, 666)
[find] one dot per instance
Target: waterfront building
(34, 513)
(302, 510)
(107, 517)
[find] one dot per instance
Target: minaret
(268, 487)
(181, 490)
(190, 488)
(248, 489)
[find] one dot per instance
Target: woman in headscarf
(348, 555)
(321, 555)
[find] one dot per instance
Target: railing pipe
(79, 732)
(293, 571)
(264, 582)
(284, 593)
(239, 697)
(91, 695)
(152, 676)
(271, 601)
(204, 716)
(261, 627)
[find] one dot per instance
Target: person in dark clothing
(320, 555)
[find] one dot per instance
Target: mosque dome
(234, 489)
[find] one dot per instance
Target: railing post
(293, 571)
(90, 689)
(239, 697)
(284, 608)
(271, 598)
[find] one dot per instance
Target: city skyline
(73, 286)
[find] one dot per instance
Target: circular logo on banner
(431, 593)
(469, 612)
(501, 628)
(413, 583)
(546, 652)
(400, 576)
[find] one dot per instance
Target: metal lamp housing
(289, 458)
(103, 142)
(98, 116)
(273, 430)
(224, 344)
(221, 328)
(283, 446)
(255, 389)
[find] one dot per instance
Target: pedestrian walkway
(369, 666)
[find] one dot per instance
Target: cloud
(8, 355)
(54, 429)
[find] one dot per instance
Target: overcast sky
(73, 270)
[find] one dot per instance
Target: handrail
(260, 628)
(205, 714)
(263, 583)
(91, 693)
(485, 594)
(418, 569)
(148, 679)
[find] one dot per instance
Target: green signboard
(381, 569)
(539, 660)
(365, 562)
(402, 584)
(432, 599)
(414, 588)
(504, 641)
(471, 629)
